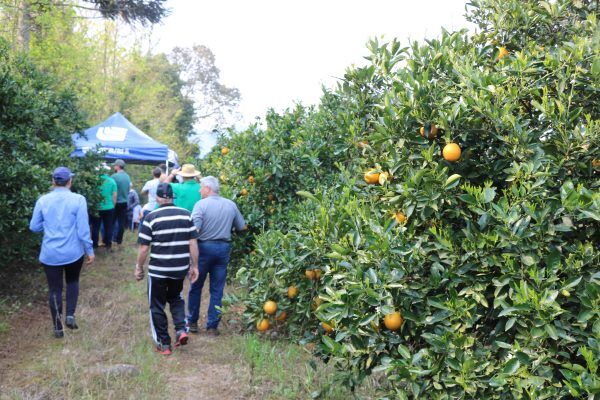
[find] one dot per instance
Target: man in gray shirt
(214, 217)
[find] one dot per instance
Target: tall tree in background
(23, 15)
(214, 102)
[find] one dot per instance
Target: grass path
(113, 318)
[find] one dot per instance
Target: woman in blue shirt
(62, 216)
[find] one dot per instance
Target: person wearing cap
(169, 234)
(63, 217)
(214, 217)
(187, 193)
(123, 184)
(106, 212)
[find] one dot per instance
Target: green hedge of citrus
(493, 263)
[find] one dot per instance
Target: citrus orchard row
(447, 195)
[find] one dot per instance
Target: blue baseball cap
(61, 175)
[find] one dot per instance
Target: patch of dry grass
(114, 329)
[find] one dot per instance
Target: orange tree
(489, 258)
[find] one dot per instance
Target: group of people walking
(185, 231)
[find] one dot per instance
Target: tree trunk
(24, 31)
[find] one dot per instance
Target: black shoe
(70, 322)
(193, 327)
(59, 333)
(212, 332)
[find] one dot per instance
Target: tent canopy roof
(119, 138)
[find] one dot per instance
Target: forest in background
(68, 65)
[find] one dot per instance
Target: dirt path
(114, 330)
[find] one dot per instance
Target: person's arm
(144, 240)
(83, 229)
(238, 221)
(114, 198)
(37, 219)
(172, 175)
(198, 216)
(141, 259)
(193, 260)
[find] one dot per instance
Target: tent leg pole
(167, 164)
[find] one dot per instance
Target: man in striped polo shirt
(170, 235)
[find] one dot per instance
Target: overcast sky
(277, 52)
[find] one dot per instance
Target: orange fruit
(281, 317)
(271, 197)
(316, 303)
(223, 177)
(596, 163)
(372, 177)
(400, 217)
(244, 192)
(393, 321)
(271, 210)
(317, 274)
(224, 151)
(429, 131)
(292, 292)
(263, 325)
(310, 274)
(451, 152)
(270, 307)
(251, 180)
(326, 327)
(502, 52)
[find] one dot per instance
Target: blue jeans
(213, 257)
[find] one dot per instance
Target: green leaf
(512, 366)
(452, 179)
(551, 330)
(307, 195)
(489, 194)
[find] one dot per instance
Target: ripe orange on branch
(251, 180)
(451, 152)
(429, 131)
(372, 176)
(502, 52)
(270, 307)
(225, 150)
(244, 192)
(400, 217)
(393, 321)
(281, 317)
(310, 274)
(292, 292)
(326, 327)
(262, 325)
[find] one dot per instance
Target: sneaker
(70, 322)
(212, 332)
(59, 333)
(182, 338)
(164, 349)
(193, 327)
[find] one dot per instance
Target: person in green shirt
(187, 193)
(123, 184)
(106, 211)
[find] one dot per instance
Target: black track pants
(160, 292)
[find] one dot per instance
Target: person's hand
(90, 259)
(138, 273)
(193, 274)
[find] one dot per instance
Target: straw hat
(188, 171)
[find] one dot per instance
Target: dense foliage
(36, 123)
(491, 260)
